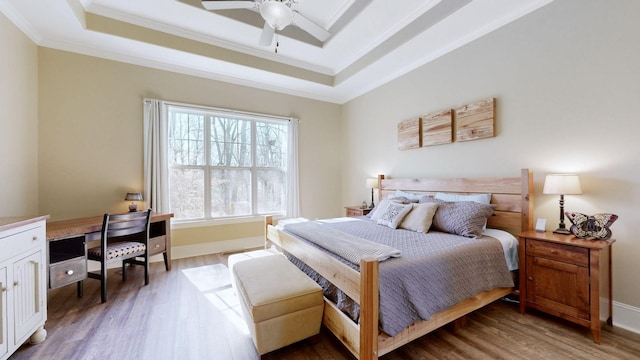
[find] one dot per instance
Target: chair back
(118, 225)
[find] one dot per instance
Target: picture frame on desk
(541, 225)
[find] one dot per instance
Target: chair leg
(146, 268)
(124, 273)
(103, 281)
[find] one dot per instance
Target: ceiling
(371, 41)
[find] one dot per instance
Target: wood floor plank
(191, 312)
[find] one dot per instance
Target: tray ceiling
(371, 42)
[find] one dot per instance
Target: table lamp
(372, 184)
(133, 196)
(562, 184)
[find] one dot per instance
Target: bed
(512, 198)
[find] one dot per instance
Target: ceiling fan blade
(266, 38)
(309, 26)
(224, 5)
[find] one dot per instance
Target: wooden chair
(124, 237)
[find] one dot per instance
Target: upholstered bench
(280, 303)
(247, 255)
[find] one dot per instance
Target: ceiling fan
(277, 15)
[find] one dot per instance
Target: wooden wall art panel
(437, 128)
(476, 121)
(409, 134)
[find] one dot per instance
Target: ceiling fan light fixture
(276, 13)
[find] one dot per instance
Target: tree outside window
(222, 165)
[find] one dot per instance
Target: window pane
(230, 142)
(271, 147)
(271, 191)
(230, 193)
(187, 192)
(186, 138)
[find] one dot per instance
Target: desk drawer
(67, 272)
(565, 253)
(157, 244)
(21, 239)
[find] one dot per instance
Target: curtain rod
(211, 108)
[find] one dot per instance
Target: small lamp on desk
(373, 184)
(133, 196)
(562, 184)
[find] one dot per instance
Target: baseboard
(626, 317)
(215, 247)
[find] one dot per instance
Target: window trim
(236, 115)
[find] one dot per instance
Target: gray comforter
(436, 270)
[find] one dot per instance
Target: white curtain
(156, 175)
(293, 189)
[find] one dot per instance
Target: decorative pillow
(465, 218)
(420, 217)
(379, 209)
(594, 226)
(394, 214)
(479, 198)
(410, 196)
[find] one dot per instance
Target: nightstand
(567, 277)
(357, 210)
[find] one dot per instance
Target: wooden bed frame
(514, 213)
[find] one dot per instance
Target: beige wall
(91, 137)
(566, 79)
(18, 122)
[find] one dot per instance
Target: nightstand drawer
(67, 272)
(357, 211)
(565, 253)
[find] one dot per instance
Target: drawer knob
(530, 278)
(554, 251)
(69, 272)
(35, 237)
(16, 283)
(157, 246)
(4, 289)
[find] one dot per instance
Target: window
(225, 164)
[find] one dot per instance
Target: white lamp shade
(562, 184)
(372, 183)
(277, 14)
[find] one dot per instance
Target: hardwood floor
(191, 312)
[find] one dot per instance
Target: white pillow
(420, 217)
(379, 209)
(394, 214)
(479, 198)
(410, 196)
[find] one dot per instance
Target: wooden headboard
(512, 195)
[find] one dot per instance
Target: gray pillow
(465, 218)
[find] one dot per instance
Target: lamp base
(561, 231)
(133, 207)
